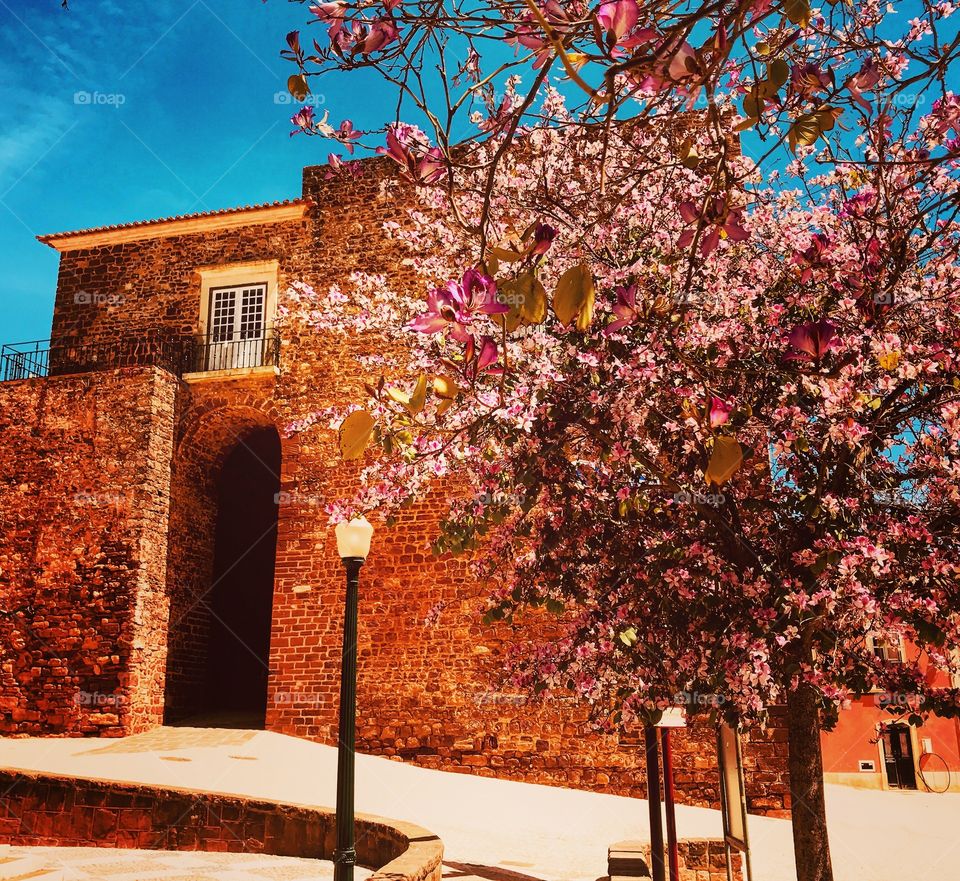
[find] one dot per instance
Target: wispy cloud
(54, 63)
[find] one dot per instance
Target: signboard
(733, 797)
(731, 782)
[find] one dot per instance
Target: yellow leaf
(889, 360)
(574, 296)
(445, 387)
(798, 11)
(507, 256)
(526, 298)
(804, 130)
(827, 117)
(778, 71)
(413, 403)
(725, 460)
(629, 636)
(688, 154)
(753, 104)
(419, 396)
(586, 311)
(297, 86)
(354, 434)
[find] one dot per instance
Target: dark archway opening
(241, 596)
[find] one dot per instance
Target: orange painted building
(874, 746)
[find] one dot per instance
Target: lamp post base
(343, 863)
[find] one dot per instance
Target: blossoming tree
(708, 406)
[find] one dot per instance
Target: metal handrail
(178, 355)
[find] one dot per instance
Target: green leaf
(555, 607)
(629, 636)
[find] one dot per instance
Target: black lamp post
(353, 545)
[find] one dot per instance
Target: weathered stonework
(428, 668)
(84, 500)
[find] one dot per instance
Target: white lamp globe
(353, 538)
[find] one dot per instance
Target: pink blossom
(347, 134)
(383, 32)
(303, 120)
(720, 222)
(624, 309)
(543, 237)
(811, 341)
(719, 411)
(454, 306)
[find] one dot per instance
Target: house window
(889, 649)
(237, 327)
(237, 308)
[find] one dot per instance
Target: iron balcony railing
(178, 355)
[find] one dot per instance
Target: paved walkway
(104, 864)
(498, 830)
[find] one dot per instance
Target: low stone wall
(704, 859)
(47, 810)
(700, 859)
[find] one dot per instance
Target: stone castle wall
(428, 668)
(84, 499)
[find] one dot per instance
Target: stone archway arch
(233, 447)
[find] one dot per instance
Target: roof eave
(176, 226)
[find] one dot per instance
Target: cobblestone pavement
(104, 864)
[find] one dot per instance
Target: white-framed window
(237, 309)
(237, 326)
(888, 649)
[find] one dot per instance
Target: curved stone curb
(38, 809)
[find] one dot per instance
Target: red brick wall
(428, 669)
(41, 810)
(84, 497)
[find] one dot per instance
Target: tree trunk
(810, 842)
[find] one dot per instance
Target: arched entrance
(241, 595)
(221, 561)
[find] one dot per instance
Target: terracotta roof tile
(138, 223)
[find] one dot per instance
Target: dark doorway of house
(898, 757)
(241, 598)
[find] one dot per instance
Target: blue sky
(181, 117)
